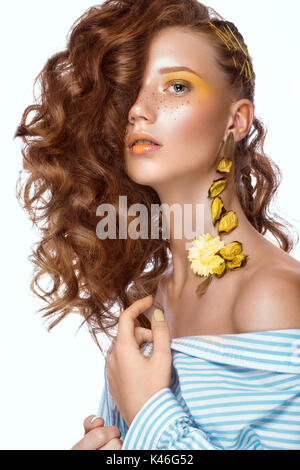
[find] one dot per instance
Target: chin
(145, 179)
(145, 174)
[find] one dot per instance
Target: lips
(143, 149)
(145, 144)
(142, 136)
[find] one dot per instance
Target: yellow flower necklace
(209, 256)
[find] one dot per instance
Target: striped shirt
(229, 392)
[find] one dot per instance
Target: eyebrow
(177, 69)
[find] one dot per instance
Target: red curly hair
(73, 157)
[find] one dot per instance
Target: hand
(99, 437)
(132, 377)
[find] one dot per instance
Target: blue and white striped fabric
(230, 392)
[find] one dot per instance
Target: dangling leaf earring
(208, 255)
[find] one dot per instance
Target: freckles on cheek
(191, 118)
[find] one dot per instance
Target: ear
(242, 118)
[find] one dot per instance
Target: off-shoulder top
(229, 392)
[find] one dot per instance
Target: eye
(179, 83)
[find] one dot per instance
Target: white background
(51, 381)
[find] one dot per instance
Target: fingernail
(159, 315)
(94, 419)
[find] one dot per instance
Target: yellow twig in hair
(224, 40)
(237, 41)
(249, 70)
(221, 35)
(228, 41)
(242, 68)
(225, 37)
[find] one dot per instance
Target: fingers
(161, 335)
(126, 324)
(143, 335)
(88, 426)
(97, 438)
(114, 444)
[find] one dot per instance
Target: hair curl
(73, 156)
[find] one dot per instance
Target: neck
(194, 191)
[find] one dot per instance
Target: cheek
(195, 130)
(194, 121)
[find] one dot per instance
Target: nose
(143, 108)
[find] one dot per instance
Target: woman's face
(186, 111)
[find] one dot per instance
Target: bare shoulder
(270, 299)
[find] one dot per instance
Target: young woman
(224, 371)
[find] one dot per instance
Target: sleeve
(109, 412)
(162, 423)
(104, 410)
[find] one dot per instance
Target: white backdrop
(52, 381)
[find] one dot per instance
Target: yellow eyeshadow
(204, 90)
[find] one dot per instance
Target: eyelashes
(182, 83)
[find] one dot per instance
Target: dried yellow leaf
(203, 286)
(229, 146)
(238, 262)
(220, 270)
(217, 187)
(228, 222)
(231, 250)
(217, 209)
(224, 165)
